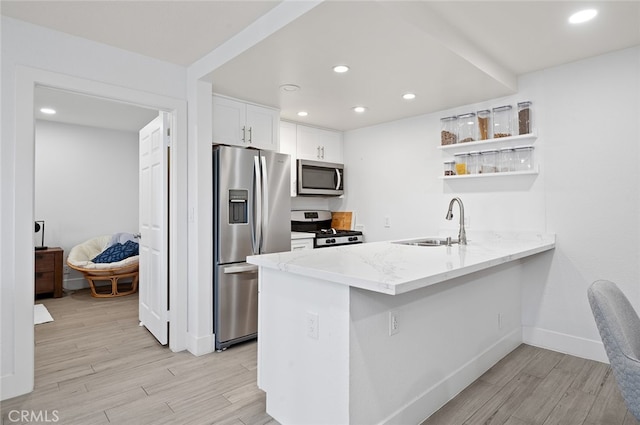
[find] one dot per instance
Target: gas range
(319, 223)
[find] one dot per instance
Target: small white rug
(41, 314)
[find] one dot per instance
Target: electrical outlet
(65, 269)
(394, 326)
(313, 330)
(387, 221)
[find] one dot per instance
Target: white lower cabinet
(239, 123)
(300, 244)
(301, 240)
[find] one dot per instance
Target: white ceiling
(449, 53)
(80, 109)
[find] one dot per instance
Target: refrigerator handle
(257, 206)
(240, 268)
(264, 217)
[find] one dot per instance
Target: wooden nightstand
(48, 273)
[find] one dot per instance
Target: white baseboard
(81, 283)
(450, 386)
(199, 346)
(564, 343)
(75, 284)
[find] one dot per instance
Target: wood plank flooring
(533, 386)
(95, 365)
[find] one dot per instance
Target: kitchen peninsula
(384, 332)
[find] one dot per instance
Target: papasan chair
(107, 258)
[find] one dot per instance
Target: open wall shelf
(502, 142)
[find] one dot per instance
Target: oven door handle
(339, 175)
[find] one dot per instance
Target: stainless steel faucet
(462, 234)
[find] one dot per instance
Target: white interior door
(154, 196)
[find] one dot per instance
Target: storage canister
(505, 160)
(502, 122)
(466, 127)
(523, 158)
(524, 117)
(461, 163)
(484, 125)
(473, 163)
(489, 161)
(450, 168)
(448, 130)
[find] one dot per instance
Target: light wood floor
(95, 365)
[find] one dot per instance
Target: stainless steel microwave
(320, 178)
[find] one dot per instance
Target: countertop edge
(287, 264)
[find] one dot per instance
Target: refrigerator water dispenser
(238, 206)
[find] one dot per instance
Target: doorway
(21, 365)
(86, 169)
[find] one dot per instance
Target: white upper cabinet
(302, 142)
(244, 124)
(288, 146)
(319, 145)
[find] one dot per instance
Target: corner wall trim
(564, 343)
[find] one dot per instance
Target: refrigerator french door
(252, 210)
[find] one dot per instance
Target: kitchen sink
(428, 242)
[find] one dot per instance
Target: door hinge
(168, 131)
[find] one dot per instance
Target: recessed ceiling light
(583, 16)
(408, 96)
(359, 109)
(303, 113)
(340, 69)
(289, 87)
(48, 111)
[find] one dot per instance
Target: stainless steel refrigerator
(251, 215)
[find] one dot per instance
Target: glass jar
(524, 117)
(450, 168)
(484, 125)
(448, 131)
(523, 158)
(473, 163)
(505, 160)
(461, 163)
(489, 161)
(466, 127)
(502, 122)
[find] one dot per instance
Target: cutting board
(342, 220)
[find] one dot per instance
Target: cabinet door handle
(250, 134)
(244, 134)
(318, 152)
(322, 152)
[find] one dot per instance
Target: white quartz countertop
(392, 268)
(302, 235)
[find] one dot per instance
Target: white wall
(587, 116)
(86, 185)
(35, 54)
